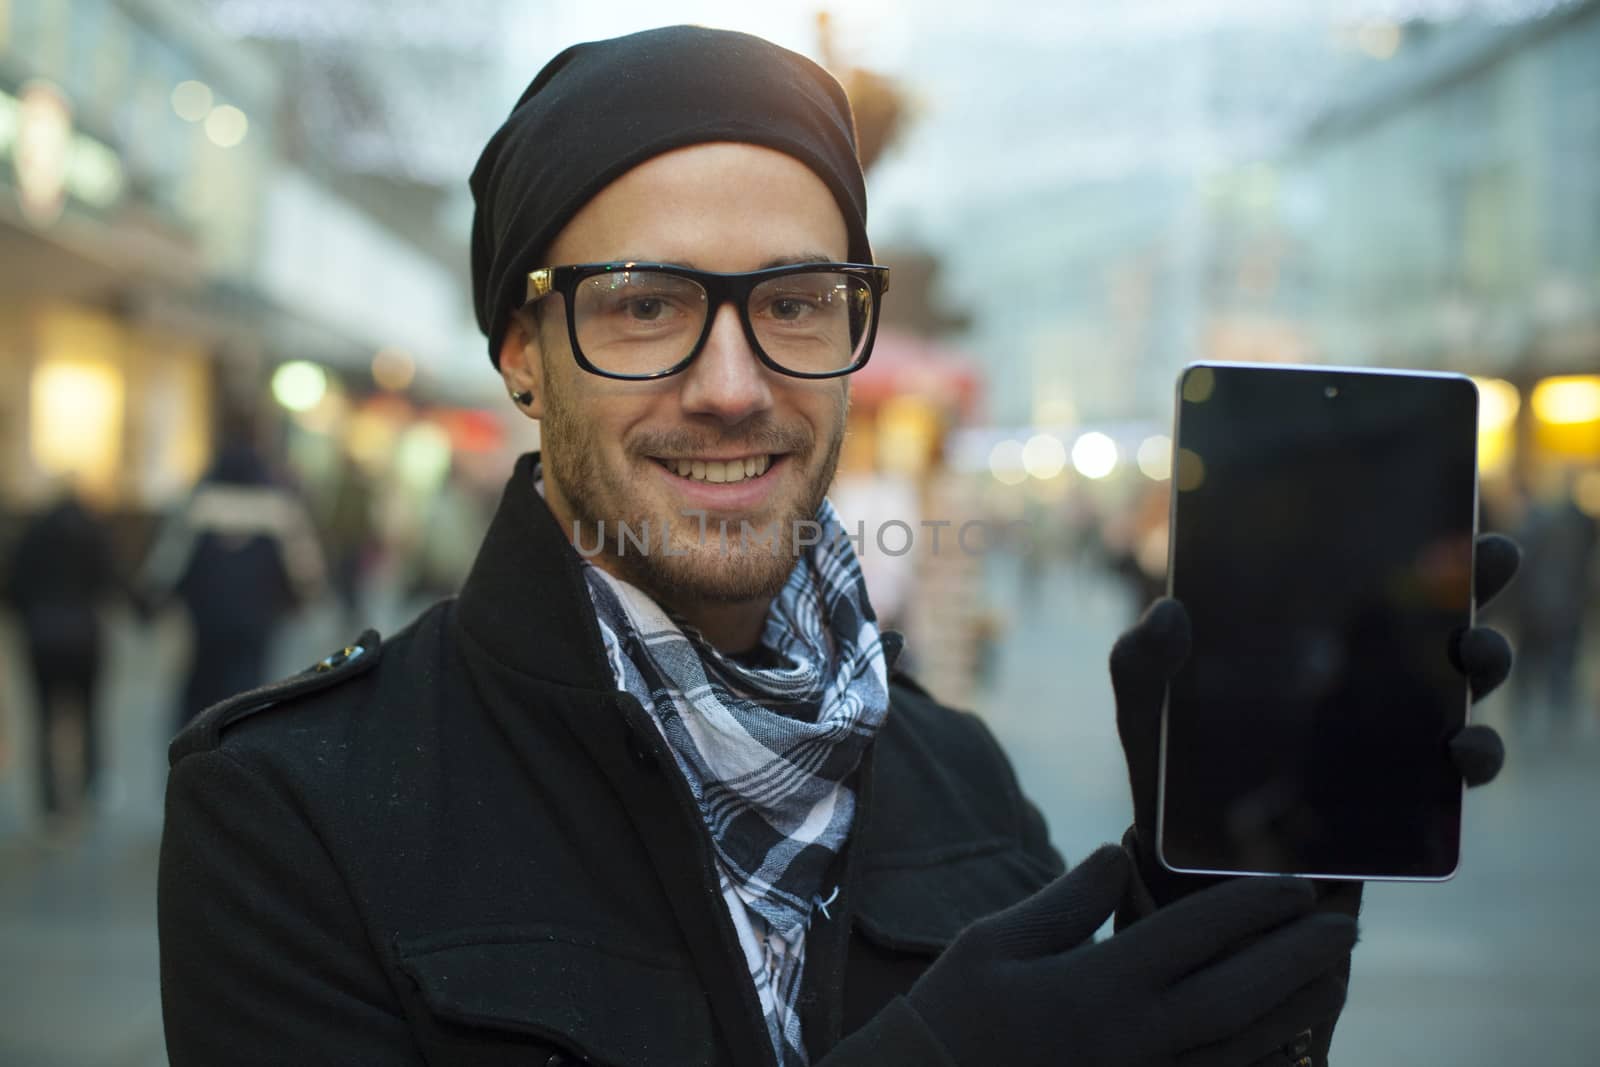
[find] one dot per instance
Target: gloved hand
(1145, 659)
(1220, 979)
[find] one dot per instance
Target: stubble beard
(702, 565)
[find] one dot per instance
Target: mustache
(687, 441)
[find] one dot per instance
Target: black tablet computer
(1322, 536)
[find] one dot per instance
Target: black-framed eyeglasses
(639, 321)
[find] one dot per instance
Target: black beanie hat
(600, 109)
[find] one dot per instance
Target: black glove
(1145, 658)
(1219, 979)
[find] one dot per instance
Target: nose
(727, 381)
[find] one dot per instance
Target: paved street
(1497, 967)
(77, 913)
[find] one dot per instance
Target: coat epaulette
(205, 730)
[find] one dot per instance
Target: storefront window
(76, 425)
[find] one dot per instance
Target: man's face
(606, 443)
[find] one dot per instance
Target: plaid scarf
(766, 749)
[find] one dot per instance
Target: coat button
(641, 755)
(339, 659)
(557, 1060)
(640, 752)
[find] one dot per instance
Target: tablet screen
(1322, 533)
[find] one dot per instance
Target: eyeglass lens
(641, 322)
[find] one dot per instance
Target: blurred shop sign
(50, 161)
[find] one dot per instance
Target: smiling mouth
(718, 471)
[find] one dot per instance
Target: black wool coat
(467, 847)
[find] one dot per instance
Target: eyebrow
(778, 261)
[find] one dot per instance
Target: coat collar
(525, 600)
(526, 606)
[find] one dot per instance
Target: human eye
(644, 308)
(792, 308)
(637, 300)
(796, 300)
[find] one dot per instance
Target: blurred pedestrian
(1553, 595)
(240, 555)
(350, 528)
(447, 542)
(1135, 545)
(61, 576)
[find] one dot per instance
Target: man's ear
(521, 366)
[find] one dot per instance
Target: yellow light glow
(299, 386)
(1494, 450)
(1498, 403)
(76, 424)
(1005, 463)
(393, 369)
(1155, 457)
(192, 101)
(1567, 400)
(175, 405)
(1044, 456)
(906, 429)
(1094, 455)
(369, 437)
(226, 126)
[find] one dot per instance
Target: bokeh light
(1498, 403)
(192, 101)
(1044, 456)
(1155, 457)
(393, 369)
(1094, 455)
(1380, 40)
(1567, 400)
(298, 385)
(226, 126)
(422, 456)
(1005, 462)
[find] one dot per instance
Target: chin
(708, 573)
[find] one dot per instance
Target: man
(662, 798)
(240, 554)
(61, 576)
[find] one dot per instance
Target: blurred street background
(233, 287)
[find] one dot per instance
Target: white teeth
(719, 472)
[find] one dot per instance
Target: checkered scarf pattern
(766, 750)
